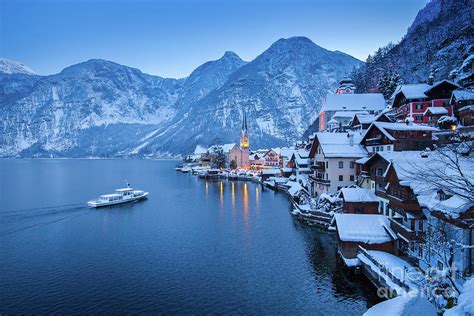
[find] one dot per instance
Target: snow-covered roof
(333, 121)
(412, 91)
(365, 119)
(385, 126)
(286, 152)
(463, 95)
(354, 102)
(436, 110)
(358, 195)
(339, 145)
(295, 188)
(467, 108)
(348, 114)
(227, 147)
(362, 160)
(418, 90)
(366, 228)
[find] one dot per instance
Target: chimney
(351, 138)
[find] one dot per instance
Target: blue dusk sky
(172, 38)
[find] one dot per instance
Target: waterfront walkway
(390, 271)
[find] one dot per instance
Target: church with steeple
(240, 154)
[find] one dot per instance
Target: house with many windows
(383, 136)
(334, 156)
(412, 100)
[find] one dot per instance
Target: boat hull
(97, 204)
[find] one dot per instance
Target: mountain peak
(8, 66)
(231, 55)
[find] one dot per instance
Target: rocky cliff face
(100, 108)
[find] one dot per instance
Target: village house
(361, 122)
(433, 184)
(370, 103)
(256, 161)
(372, 232)
(300, 162)
(433, 114)
(334, 156)
(285, 157)
(460, 99)
(272, 158)
(412, 100)
(341, 119)
(359, 201)
(466, 115)
(382, 136)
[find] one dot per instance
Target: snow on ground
(405, 305)
(465, 304)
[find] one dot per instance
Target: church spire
(244, 123)
(244, 137)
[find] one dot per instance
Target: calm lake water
(192, 247)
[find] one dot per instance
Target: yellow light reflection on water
(256, 194)
(233, 196)
(221, 194)
(246, 203)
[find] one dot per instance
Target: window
(327, 164)
(419, 106)
(381, 148)
(388, 148)
(379, 171)
(351, 178)
(418, 117)
(327, 177)
(373, 149)
(341, 178)
(341, 164)
(352, 165)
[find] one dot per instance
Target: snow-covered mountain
(281, 91)
(440, 38)
(14, 67)
(100, 108)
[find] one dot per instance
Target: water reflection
(246, 203)
(256, 195)
(233, 196)
(221, 194)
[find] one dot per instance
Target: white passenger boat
(120, 196)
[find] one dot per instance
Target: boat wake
(18, 220)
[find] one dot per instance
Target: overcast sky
(172, 38)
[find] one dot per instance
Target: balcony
(320, 180)
(319, 167)
(405, 232)
(373, 141)
(409, 203)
